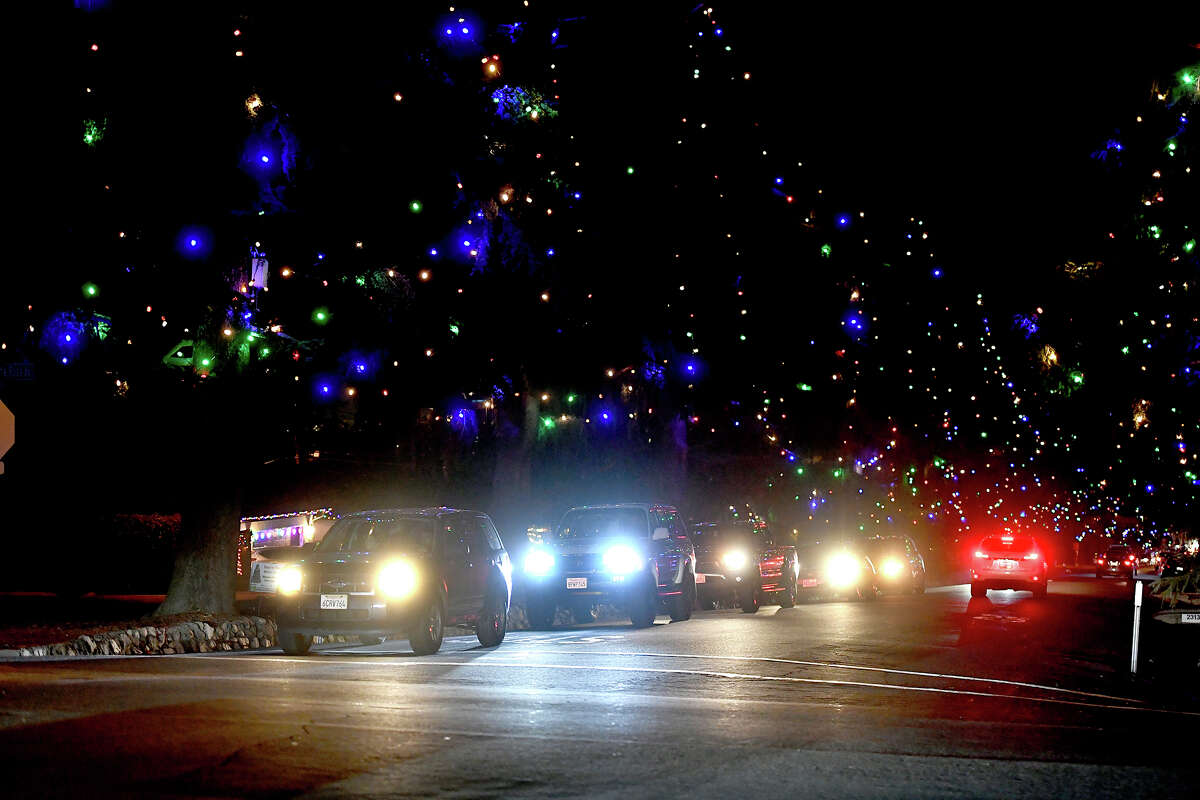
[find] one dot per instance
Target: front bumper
(1115, 568)
(597, 587)
(365, 614)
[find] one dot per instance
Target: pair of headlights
(619, 559)
(396, 580)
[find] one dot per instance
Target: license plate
(1189, 617)
(808, 582)
(700, 576)
(1004, 563)
(335, 601)
(576, 583)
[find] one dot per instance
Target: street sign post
(1137, 624)
(8, 432)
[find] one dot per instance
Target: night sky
(884, 127)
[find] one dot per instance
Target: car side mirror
(660, 534)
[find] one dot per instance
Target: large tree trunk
(203, 579)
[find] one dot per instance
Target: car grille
(337, 584)
(583, 562)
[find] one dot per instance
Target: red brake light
(1031, 557)
(980, 554)
(1099, 560)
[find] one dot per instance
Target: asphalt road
(935, 695)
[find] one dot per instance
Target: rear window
(357, 535)
(1022, 544)
(1117, 552)
(592, 523)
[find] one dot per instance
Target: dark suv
(632, 555)
(399, 572)
(1117, 560)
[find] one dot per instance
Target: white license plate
(576, 583)
(1189, 617)
(336, 601)
(1004, 563)
(806, 582)
(700, 577)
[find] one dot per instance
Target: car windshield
(1008, 544)
(878, 548)
(358, 535)
(591, 523)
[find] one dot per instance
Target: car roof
(643, 506)
(432, 512)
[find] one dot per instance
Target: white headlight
(621, 559)
(892, 567)
(397, 579)
(539, 562)
(735, 559)
(843, 570)
(290, 578)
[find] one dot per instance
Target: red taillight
(1099, 560)
(1032, 557)
(1129, 561)
(980, 554)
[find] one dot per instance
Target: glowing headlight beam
(621, 559)
(892, 567)
(290, 579)
(397, 579)
(843, 570)
(735, 559)
(539, 562)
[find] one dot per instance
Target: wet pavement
(934, 695)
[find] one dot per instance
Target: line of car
(410, 573)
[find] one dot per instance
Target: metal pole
(1137, 624)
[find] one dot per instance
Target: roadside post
(1137, 624)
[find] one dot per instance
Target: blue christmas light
(937, 272)
(433, 251)
(718, 32)
(779, 181)
(843, 221)
(265, 158)
(550, 252)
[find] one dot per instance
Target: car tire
(748, 600)
(295, 644)
(493, 619)
(426, 636)
(540, 612)
(644, 608)
(978, 590)
(787, 598)
(868, 592)
(683, 603)
(919, 585)
(1039, 590)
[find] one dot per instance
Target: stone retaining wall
(238, 633)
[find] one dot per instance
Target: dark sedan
(836, 569)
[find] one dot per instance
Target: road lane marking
(828, 665)
(709, 674)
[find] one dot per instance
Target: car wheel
(787, 598)
(1039, 590)
(868, 592)
(295, 644)
(540, 612)
(748, 599)
(644, 608)
(493, 619)
(978, 590)
(919, 585)
(426, 636)
(682, 604)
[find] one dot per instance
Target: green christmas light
(321, 316)
(93, 132)
(1077, 377)
(263, 353)
(827, 250)
(415, 206)
(838, 472)
(90, 289)
(548, 422)
(804, 387)
(570, 398)
(629, 170)
(799, 470)
(454, 328)
(204, 362)
(1189, 245)
(1125, 350)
